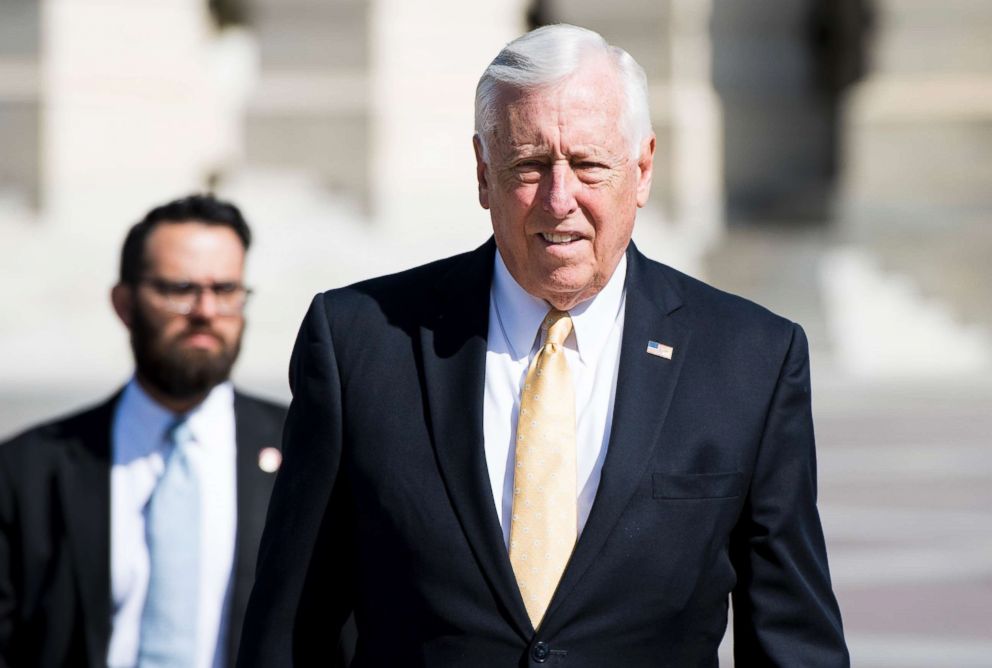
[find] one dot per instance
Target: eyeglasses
(180, 297)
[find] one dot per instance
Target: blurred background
(831, 159)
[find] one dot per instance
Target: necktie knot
(178, 431)
(559, 325)
(179, 435)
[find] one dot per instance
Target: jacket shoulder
(40, 439)
(404, 298)
(253, 402)
(258, 422)
(68, 426)
(255, 409)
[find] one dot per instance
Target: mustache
(197, 330)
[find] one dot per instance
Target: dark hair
(204, 209)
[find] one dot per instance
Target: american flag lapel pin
(660, 350)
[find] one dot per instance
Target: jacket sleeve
(301, 598)
(785, 613)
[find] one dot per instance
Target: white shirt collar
(521, 313)
(144, 420)
(213, 417)
(143, 415)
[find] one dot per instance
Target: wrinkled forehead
(588, 103)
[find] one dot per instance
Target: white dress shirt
(593, 354)
(138, 443)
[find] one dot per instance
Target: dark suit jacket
(384, 504)
(55, 596)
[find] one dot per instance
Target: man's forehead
(193, 243)
(190, 232)
(593, 78)
(586, 116)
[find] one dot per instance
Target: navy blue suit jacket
(383, 504)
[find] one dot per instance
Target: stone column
(427, 59)
(130, 114)
(310, 112)
(781, 67)
(697, 120)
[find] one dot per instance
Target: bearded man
(128, 531)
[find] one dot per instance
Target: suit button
(541, 652)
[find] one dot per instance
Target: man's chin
(189, 384)
(566, 286)
(188, 373)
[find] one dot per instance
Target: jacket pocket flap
(697, 485)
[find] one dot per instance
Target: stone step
(875, 308)
(776, 268)
(945, 249)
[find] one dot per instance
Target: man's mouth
(554, 238)
(202, 339)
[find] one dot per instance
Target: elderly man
(550, 449)
(129, 531)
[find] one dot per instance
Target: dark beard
(175, 372)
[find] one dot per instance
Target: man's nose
(205, 305)
(559, 197)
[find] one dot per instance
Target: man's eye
(590, 165)
(529, 166)
(225, 288)
(179, 289)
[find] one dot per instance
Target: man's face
(561, 185)
(184, 356)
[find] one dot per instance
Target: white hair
(548, 55)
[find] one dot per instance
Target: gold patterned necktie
(543, 523)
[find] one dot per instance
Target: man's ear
(122, 298)
(480, 172)
(645, 168)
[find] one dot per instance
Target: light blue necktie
(172, 529)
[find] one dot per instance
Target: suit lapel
(84, 485)
(249, 478)
(252, 433)
(453, 342)
(645, 384)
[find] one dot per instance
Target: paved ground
(906, 500)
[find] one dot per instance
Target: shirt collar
(144, 419)
(214, 413)
(149, 417)
(593, 319)
(521, 313)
